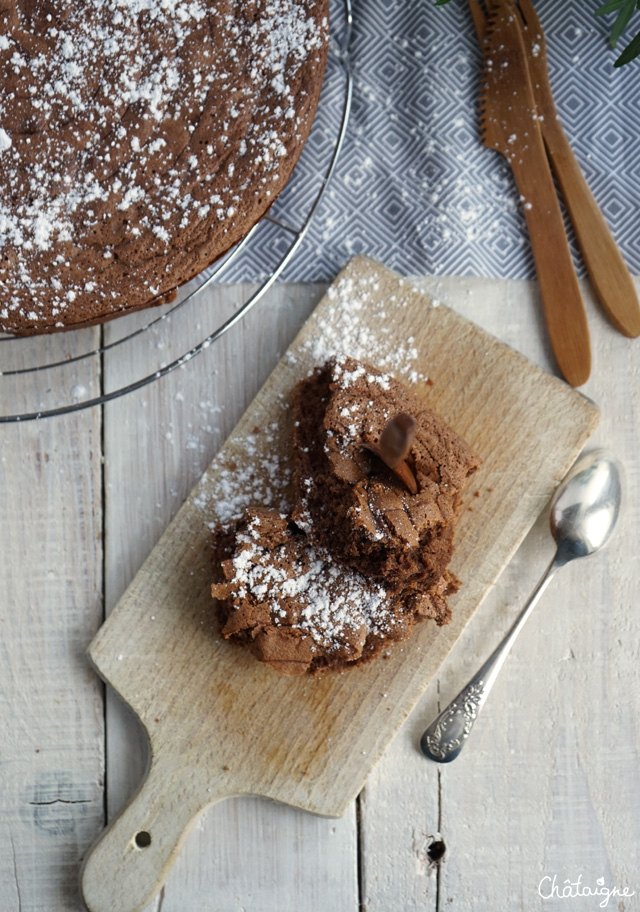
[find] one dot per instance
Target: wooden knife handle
(607, 269)
(562, 302)
(125, 869)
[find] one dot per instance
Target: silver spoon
(584, 511)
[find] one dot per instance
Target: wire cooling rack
(49, 368)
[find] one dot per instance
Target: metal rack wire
(278, 219)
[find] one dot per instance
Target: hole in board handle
(142, 839)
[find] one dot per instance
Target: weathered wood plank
(246, 852)
(51, 767)
(548, 782)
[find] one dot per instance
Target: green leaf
(630, 53)
(609, 7)
(621, 22)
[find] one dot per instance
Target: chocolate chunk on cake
(139, 141)
(390, 524)
(297, 608)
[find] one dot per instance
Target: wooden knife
(510, 125)
(607, 269)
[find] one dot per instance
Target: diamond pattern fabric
(414, 187)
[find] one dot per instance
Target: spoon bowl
(586, 506)
(584, 513)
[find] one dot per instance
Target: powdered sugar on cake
(334, 605)
(123, 127)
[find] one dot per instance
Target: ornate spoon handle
(445, 737)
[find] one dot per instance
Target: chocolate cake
(363, 556)
(297, 609)
(349, 500)
(139, 140)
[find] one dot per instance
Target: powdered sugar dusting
(334, 604)
(359, 324)
(117, 122)
(260, 478)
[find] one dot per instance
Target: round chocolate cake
(139, 140)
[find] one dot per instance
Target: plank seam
(15, 873)
(438, 863)
(439, 867)
(103, 526)
(362, 907)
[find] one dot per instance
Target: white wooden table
(547, 786)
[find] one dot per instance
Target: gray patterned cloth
(414, 187)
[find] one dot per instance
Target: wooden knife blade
(510, 125)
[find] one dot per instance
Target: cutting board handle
(128, 865)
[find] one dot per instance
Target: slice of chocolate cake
(392, 525)
(377, 482)
(299, 610)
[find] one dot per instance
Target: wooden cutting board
(221, 724)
